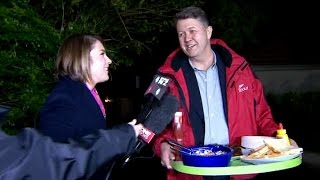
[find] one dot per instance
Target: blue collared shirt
(216, 129)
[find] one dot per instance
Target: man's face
(193, 36)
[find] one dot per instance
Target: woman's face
(99, 64)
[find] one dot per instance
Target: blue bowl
(208, 156)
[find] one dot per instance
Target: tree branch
(122, 21)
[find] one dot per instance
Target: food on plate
(272, 148)
(208, 152)
(279, 145)
(264, 152)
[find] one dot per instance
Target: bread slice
(259, 153)
(277, 145)
(271, 148)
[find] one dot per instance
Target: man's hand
(293, 143)
(166, 155)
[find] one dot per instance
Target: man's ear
(209, 32)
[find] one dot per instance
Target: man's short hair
(194, 13)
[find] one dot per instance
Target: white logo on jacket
(242, 88)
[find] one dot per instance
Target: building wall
(280, 79)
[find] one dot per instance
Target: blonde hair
(73, 58)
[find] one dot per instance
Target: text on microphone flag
(146, 135)
(158, 86)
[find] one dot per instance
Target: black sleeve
(30, 155)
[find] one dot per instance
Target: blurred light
(107, 100)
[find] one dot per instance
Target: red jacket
(246, 109)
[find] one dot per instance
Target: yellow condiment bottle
(282, 133)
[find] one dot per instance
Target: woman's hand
(137, 127)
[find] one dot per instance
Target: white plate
(290, 155)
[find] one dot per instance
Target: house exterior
(279, 79)
(283, 69)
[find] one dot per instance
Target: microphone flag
(158, 86)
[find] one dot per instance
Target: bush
(28, 49)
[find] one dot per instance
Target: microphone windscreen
(162, 114)
(147, 107)
(156, 90)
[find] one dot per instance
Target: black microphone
(156, 113)
(159, 117)
(153, 95)
(157, 88)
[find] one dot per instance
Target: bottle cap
(281, 131)
(280, 126)
(179, 113)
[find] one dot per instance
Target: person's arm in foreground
(29, 155)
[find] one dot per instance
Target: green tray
(237, 167)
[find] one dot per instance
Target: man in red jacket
(220, 97)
